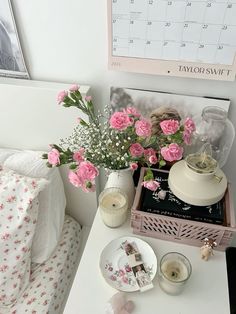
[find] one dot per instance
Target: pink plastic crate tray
(182, 230)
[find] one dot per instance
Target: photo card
(136, 263)
(142, 277)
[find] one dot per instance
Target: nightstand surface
(206, 292)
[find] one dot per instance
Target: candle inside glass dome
(113, 206)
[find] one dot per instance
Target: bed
(29, 108)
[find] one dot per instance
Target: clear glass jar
(216, 130)
(174, 272)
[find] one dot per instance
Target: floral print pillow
(18, 216)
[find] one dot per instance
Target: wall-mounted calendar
(188, 38)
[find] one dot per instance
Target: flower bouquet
(115, 140)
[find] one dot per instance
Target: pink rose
(88, 98)
(113, 277)
(125, 279)
(169, 126)
(153, 159)
(172, 152)
(132, 111)
(74, 88)
(187, 137)
(128, 268)
(61, 96)
(54, 157)
(79, 155)
(151, 185)
(189, 125)
(75, 179)
(133, 166)
(121, 272)
(119, 121)
(87, 171)
(143, 128)
(136, 150)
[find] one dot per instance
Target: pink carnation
(149, 152)
(74, 88)
(88, 98)
(189, 125)
(132, 111)
(153, 159)
(131, 121)
(79, 155)
(119, 121)
(136, 150)
(143, 128)
(54, 157)
(169, 126)
(75, 179)
(172, 152)
(87, 171)
(151, 185)
(61, 96)
(187, 137)
(133, 166)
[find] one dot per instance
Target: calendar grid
(200, 46)
(195, 31)
(218, 42)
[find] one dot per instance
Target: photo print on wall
(158, 106)
(149, 103)
(11, 57)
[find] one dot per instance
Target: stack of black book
(164, 202)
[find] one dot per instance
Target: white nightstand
(206, 293)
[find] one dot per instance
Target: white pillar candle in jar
(113, 207)
(175, 270)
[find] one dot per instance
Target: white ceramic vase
(122, 179)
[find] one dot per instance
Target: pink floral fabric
(50, 281)
(18, 216)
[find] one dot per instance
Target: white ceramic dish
(115, 268)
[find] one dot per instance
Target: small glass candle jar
(174, 272)
(113, 207)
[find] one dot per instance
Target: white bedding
(50, 281)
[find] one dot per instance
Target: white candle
(113, 206)
(175, 270)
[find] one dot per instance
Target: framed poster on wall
(12, 62)
(186, 38)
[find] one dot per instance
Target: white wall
(66, 41)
